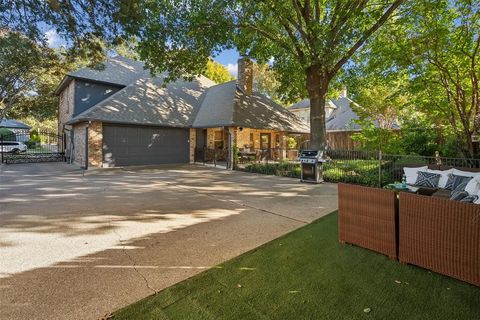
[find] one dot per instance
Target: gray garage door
(138, 145)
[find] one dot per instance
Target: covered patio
(234, 123)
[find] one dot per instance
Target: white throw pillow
(411, 173)
(478, 200)
(473, 186)
(464, 173)
(442, 183)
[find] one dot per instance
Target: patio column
(232, 147)
(193, 144)
(283, 146)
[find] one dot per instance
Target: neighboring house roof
(118, 70)
(198, 103)
(13, 124)
(148, 102)
(227, 105)
(305, 104)
(343, 117)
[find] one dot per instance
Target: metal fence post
(1, 145)
(380, 168)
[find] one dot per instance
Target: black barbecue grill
(311, 162)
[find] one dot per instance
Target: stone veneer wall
(95, 144)
(211, 136)
(243, 137)
(79, 143)
(65, 105)
(65, 112)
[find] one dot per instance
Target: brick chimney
(344, 92)
(245, 75)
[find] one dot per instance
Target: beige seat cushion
(442, 193)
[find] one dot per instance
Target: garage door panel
(135, 145)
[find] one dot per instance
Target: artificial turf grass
(307, 274)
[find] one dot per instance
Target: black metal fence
(211, 156)
(33, 146)
(362, 167)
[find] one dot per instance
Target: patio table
(400, 187)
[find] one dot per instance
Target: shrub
(364, 172)
(7, 135)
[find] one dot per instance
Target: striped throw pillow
(458, 195)
(427, 179)
(455, 182)
(470, 198)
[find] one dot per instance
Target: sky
(228, 58)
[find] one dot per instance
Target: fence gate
(34, 146)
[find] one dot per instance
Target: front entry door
(265, 144)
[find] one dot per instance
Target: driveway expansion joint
(237, 203)
(134, 263)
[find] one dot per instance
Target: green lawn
(307, 274)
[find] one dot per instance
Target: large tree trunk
(317, 86)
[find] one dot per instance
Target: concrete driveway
(76, 246)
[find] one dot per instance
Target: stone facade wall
(66, 105)
(244, 138)
(65, 112)
(79, 143)
(193, 144)
(95, 144)
(211, 137)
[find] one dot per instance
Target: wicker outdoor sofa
(441, 235)
(367, 217)
(434, 233)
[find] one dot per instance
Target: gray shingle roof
(13, 124)
(305, 104)
(147, 102)
(117, 70)
(227, 105)
(343, 117)
(199, 103)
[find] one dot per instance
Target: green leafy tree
(436, 43)
(85, 25)
(309, 40)
(22, 63)
(266, 82)
(381, 102)
(445, 60)
(217, 72)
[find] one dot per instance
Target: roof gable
(148, 102)
(227, 105)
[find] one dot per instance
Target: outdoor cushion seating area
(460, 184)
(438, 234)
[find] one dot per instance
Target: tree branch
(366, 35)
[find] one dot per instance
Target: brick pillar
(193, 144)
(95, 144)
(283, 146)
(233, 131)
